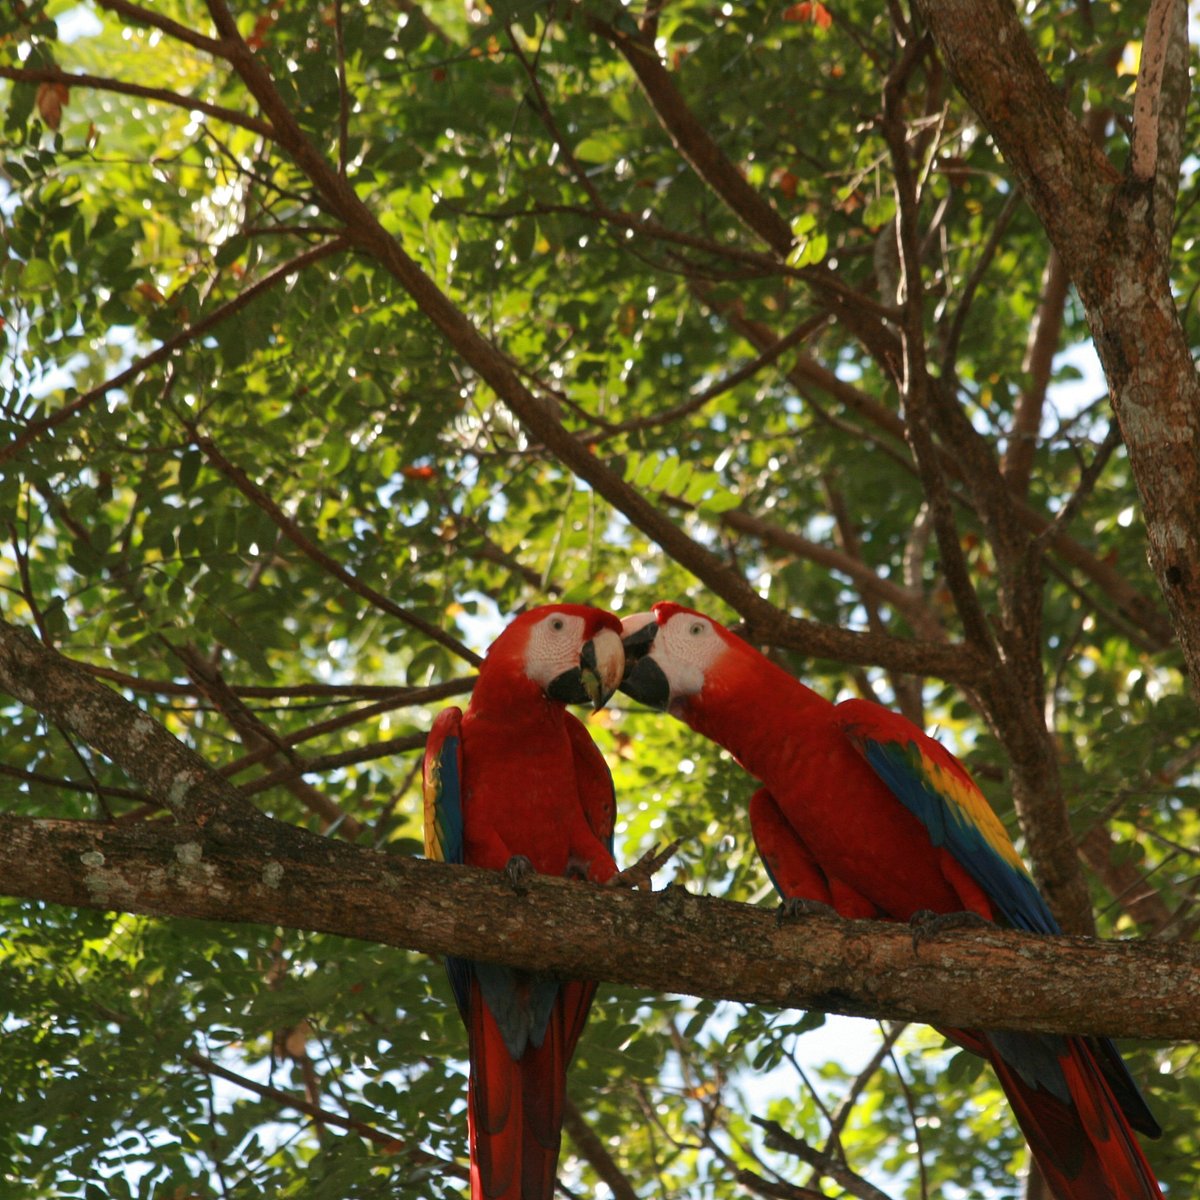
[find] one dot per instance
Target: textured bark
(664, 941)
(1110, 230)
(174, 775)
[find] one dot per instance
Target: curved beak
(644, 679)
(637, 636)
(601, 664)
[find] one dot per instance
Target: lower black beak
(645, 682)
(568, 687)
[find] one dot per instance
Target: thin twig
(779, 1139)
(199, 329)
(102, 83)
(325, 561)
(391, 1142)
(330, 762)
(173, 29)
(343, 90)
(748, 370)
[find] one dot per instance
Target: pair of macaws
(858, 810)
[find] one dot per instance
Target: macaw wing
(596, 792)
(792, 866)
(441, 784)
(789, 863)
(935, 787)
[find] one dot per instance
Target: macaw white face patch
(686, 647)
(554, 646)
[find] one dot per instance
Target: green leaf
(879, 212)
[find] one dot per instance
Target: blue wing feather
(934, 786)
(442, 788)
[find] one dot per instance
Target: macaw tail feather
(515, 1106)
(1073, 1121)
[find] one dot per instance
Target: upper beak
(637, 636)
(601, 665)
(644, 679)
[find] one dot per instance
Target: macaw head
(571, 651)
(672, 655)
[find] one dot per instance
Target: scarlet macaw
(517, 784)
(862, 811)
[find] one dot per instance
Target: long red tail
(1083, 1142)
(515, 1106)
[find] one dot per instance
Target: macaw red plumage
(862, 811)
(515, 783)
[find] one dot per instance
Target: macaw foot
(641, 874)
(578, 868)
(794, 908)
(516, 871)
(925, 923)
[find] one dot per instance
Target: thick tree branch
(1162, 24)
(169, 771)
(693, 139)
(1065, 176)
(1109, 231)
(1160, 111)
(664, 941)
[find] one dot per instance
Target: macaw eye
(557, 624)
(696, 628)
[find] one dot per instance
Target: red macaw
(517, 784)
(861, 811)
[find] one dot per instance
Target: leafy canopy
(289, 536)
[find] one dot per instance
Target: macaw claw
(516, 872)
(926, 924)
(641, 874)
(794, 908)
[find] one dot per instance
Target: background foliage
(290, 537)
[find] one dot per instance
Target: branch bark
(662, 941)
(176, 776)
(1110, 230)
